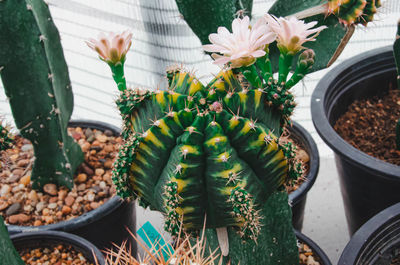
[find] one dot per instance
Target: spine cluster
(244, 209)
(172, 220)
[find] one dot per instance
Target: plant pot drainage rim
(321, 106)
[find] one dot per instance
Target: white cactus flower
(292, 33)
(243, 45)
(112, 48)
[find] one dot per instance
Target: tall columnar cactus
(340, 16)
(36, 81)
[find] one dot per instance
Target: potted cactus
(368, 183)
(36, 81)
(211, 153)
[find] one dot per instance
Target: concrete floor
(324, 220)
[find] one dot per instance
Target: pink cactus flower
(243, 45)
(292, 33)
(112, 48)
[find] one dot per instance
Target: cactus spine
(36, 81)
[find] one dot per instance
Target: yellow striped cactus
(211, 154)
(192, 150)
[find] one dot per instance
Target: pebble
(40, 206)
(50, 189)
(88, 132)
(45, 211)
(90, 138)
(13, 178)
(5, 190)
(13, 209)
(3, 205)
(102, 138)
(312, 261)
(37, 223)
(102, 184)
(81, 187)
(52, 205)
(81, 177)
(69, 200)
(87, 170)
(99, 172)
(18, 218)
(91, 197)
(108, 164)
(25, 180)
(33, 196)
(94, 205)
(66, 210)
(23, 162)
(108, 133)
(62, 194)
(79, 199)
(85, 147)
(26, 147)
(108, 148)
(303, 156)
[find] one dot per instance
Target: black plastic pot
(298, 197)
(101, 226)
(376, 242)
(318, 252)
(51, 238)
(368, 185)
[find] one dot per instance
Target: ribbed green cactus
(213, 152)
(36, 81)
(205, 16)
(8, 254)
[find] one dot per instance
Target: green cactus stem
(6, 138)
(118, 74)
(8, 254)
(196, 151)
(36, 81)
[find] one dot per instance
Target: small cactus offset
(212, 153)
(6, 137)
(36, 81)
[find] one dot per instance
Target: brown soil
(369, 125)
(21, 205)
(307, 256)
(56, 255)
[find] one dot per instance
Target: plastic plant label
(154, 240)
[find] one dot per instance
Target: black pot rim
(320, 119)
(85, 218)
(312, 150)
(366, 232)
(63, 237)
(316, 249)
